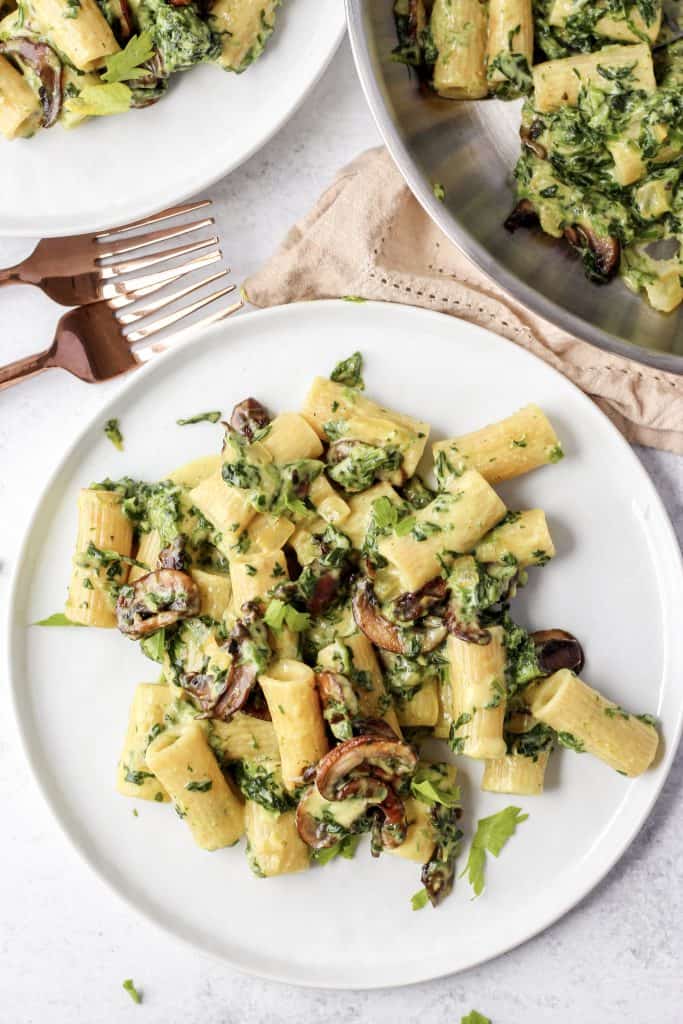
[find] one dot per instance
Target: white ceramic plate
(616, 583)
(112, 170)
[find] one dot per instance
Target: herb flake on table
(491, 836)
(439, 191)
(474, 1017)
(201, 417)
(112, 429)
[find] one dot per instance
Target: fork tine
(166, 300)
(180, 314)
(123, 293)
(149, 261)
(147, 351)
(156, 218)
(140, 241)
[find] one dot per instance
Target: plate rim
(63, 227)
(12, 631)
(517, 289)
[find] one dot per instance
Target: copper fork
(91, 341)
(72, 270)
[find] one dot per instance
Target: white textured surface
(66, 943)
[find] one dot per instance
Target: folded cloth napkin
(368, 237)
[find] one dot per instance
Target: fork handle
(12, 275)
(24, 368)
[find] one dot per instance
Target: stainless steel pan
(471, 149)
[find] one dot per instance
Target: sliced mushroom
(600, 254)
(468, 630)
(385, 759)
(438, 873)
(529, 134)
(386, 634)
(325, 592)
(556, 649)
(319, 833)
(418, 603)
(339, 701)
(390, 824)
(523, 216)
(155, 601)
(248, 417)
(241, 682)
(43, 62)
(174, 555)
(375, 727)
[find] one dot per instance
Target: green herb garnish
(126, 64)
(349, 372)
(132, 991)
(113, 432)
(201, 417)
(58, 619)
(491, 836)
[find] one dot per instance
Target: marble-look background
(66, 943)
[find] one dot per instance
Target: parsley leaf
(58, 619)
(492, 834)
(420, 899)
(278, 614)
(385, 513)
(201, 417)
(101, 100)
(132, 991)
(125, 64)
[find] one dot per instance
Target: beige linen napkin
(368, 236)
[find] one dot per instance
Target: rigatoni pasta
(314, 626)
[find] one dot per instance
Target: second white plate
(113, 170)
(616, 583)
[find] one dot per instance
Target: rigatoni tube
(274, 846)
(477, 688)
(103, 532)
(187, 768)
(499, 451)
(458, 30)
(587, 721)
(292, 697)
(145, 722)
(515, 774)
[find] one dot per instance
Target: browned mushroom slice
(201, 688)
(523, 216)
(418, 603)
(325, 592)
(339, 701)
(374, 727)
(386, 634)
(248, 417)
(600, 254)
(241, 682)
(320, 832)
(390, 824)
(529, 134)
(155, 601)
(468, 630)
(370, 754)
(174, 556)
(556, 649)
(46, 65)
